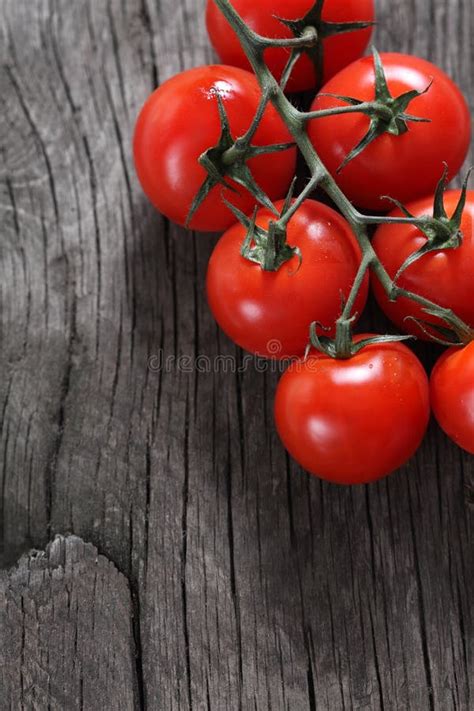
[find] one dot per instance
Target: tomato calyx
(267, 247)
(441, 231)
(312, 27)
(388, 114)
(343, 346)
(455, 333)
(228, 159)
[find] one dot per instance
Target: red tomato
(405, 167)
(181, 120)
(452, 395)
(354, 421)
(445, 277)
(269, 313)
(339, 51)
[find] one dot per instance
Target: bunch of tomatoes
(208, 151)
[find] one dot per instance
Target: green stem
(383, 219)
(368, 107)
(360, 276)
(242, 143)
(288, 214)
(294, 57)
(253, 46)
(309, 38)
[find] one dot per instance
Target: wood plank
(66, 638)
(256, 586)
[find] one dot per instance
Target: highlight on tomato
(182, 119)
(269, 312)
(357, 420)
(444, 271)
(341, 41)
(421, 122)
(452, 394)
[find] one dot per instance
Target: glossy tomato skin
(452, 395)
(339, 50)
(445, 277)
(269, 313)
(354, 421)
(180, 121)
(405, 167)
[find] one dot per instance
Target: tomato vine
(387, 113)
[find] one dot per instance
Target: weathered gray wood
(255, 586)
(66, 638)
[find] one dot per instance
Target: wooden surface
(227, 579)
(56, 610)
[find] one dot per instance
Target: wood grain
(66, 642)
(252, 585)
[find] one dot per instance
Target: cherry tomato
(452, 395)
(181, 120)
(269, 313)
(444, 277)
(339, 50)
(407, 166)
(354, 421)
